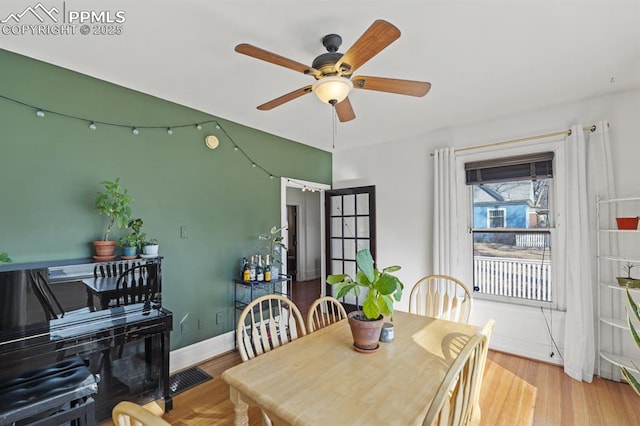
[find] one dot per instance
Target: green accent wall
(51, 169)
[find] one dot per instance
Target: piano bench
(57, 394)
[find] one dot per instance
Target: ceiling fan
(333, 70)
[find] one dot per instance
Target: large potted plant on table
(383, 288)
(114, 202)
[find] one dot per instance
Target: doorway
(303, 210)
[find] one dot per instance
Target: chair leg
(266, 421)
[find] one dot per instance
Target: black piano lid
(79, 325)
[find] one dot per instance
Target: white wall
(308, 231)
(402, 171)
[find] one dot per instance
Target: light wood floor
(516, 391)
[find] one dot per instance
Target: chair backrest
(441, 296)
(127, 413)
(474, 416)
(138, 284)
(267, 323)
(453, 400)
(323, 312)
(113, 268)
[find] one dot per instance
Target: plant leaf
(365, 264)
(633, 305)
(370, 306)
(633, 380)
(634, 331)
(386, 304)
(386, 284)
(392, 268)
(335, 279)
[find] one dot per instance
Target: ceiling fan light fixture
(332, 89)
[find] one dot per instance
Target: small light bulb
(253, 165)
(198, 126)
(217, 126)
(93, 126)
(235, 148)
(135, 131)
(40, 113)
(270, 176)
(169, 130)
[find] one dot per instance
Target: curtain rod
(567, 132)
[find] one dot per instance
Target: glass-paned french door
(350, 227)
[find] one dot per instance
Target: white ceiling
(484, 58)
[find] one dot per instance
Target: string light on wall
(211, 141)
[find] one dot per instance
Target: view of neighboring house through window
(511, 227)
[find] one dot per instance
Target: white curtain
(589, 172)
(444, 212)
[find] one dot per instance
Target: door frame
(285, 183)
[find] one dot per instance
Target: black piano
(126, 345)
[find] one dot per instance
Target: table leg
(240, 407)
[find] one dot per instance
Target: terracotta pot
(627, 222)
(104, 248)
(366, 333)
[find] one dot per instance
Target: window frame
(503, 216)
(464, 201)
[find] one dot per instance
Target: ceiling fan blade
(378, 36)
(391, 85)
(285, 98)
(344, 110)
(258, 53)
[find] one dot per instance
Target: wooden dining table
(320, 379)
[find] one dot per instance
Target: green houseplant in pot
(114, 202)
(132, 242)
(383, 288)
(4, 257)
(150, 247)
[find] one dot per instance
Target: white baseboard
(198, 352)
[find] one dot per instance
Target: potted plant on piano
(383, 288)
(150, 248)
(114, 202)
(132, 242)
(4, 257)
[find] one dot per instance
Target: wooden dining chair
(127, 413)
(441, 296)
(453, 400)
(323, 312)
(474, 416)
(266, 323)
(138, 284)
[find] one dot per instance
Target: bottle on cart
(252, 269)
(246, 274)
(260, 269)
(267, 269)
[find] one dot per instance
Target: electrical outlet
(184, 232)
(220, 318)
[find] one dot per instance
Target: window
(511, 227)
(495, 218)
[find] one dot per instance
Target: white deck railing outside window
(523, 278)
